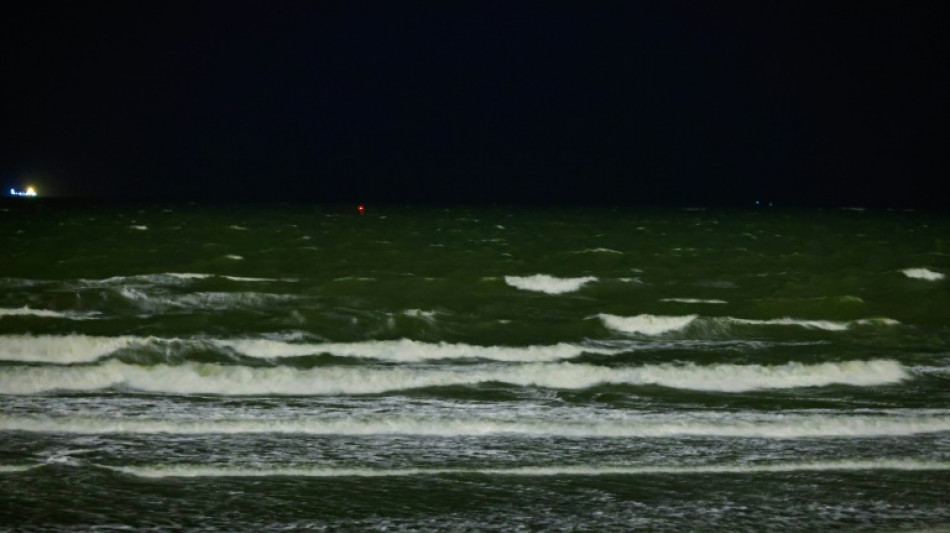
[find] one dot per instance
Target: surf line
(188, 471)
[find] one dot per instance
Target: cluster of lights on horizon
(30, 191)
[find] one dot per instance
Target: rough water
(465, 369)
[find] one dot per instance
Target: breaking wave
(208, 378)
(209, 301)
(172, 278)
(548, 284)
(61, 349)
(190, 471)
(827, 325)
(597, 251)
(406, 350)
(45, 313)
(772, 427)
(922, 273)
(693, 301)
(646, 324)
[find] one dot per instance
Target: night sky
(634, 103)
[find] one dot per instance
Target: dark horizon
(798, 104)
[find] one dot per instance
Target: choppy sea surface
(282, 367)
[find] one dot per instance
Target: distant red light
(361, 209)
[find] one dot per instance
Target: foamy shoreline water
(472, 369)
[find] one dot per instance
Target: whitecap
(693, 301)
(419, 313)
(406, 350)
(217, 301)
(204, 470)
(550, 423)
(7, 469)
(548, 284)
(138, 227)
(646, 324)
(922, 273)
(61, 349)
(827, 325)
(597, 251)
(234, 257)
(46, 313)
(230, 380)
(255, 280)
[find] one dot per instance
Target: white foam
(238, 228)
(234, 257)
(548, 284)
(255, 280)
(170, 278)
(181, 275)
(9, 469)
(217, 301)
(597, 251)
(737, 425)
(693, 301)
(139, 228)
(206, 378)
(406, 350)
(23, 311)
(191, 471)
(827, 325)
(45, 313)
(419, 313)
(922, 273)
(61, 349)
(646, 324)
(162, 278)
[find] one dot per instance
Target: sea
(285, 367)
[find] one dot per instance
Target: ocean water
(285, 367)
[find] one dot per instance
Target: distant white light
(30, 191)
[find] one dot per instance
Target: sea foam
(548, 284)
(196, 301)
(68, 349)
(45, 313)
(192, 471)
(61, 349)
(827, 325)
(657, 324)
(207, 378)
(406, 350)
(646, 324)
(922, 273)
(693, 301)
(739, 426)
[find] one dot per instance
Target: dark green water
(467, 369)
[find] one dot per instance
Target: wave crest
(227, 380)
(646, 324)
(548, 284)
(922, 273)
(191, 471)
(792, 426)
